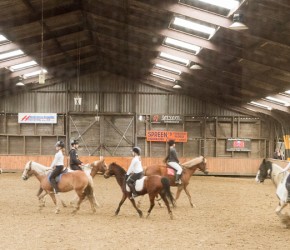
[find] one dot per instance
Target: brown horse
(75, 180)
(188, 169)
(153, 185)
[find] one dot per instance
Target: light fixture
(22, 66)
(177, 86)
(167, 78)
(20, 84)
(287, 104)
(238, 22)
(195, 67)
(166, 68)
(230, 4)
(41, 78)
(174, 58)
(260, 105)
(183, 45)
(13, 53)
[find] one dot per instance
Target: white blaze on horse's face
(26, 169)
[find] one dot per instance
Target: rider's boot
(177, 179)
(132, 187)
(54, 185)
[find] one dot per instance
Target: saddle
(58, 178)
(139, 184)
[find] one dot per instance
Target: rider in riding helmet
(287, 181)
(74, 160)
(172, 160)
(57, 165)
(135, 170)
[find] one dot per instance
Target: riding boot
(177, 179)
(54, 185)
(133, 190)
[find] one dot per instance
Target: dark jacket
(172, 155)
(74, 158)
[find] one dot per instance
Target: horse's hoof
(57, 211)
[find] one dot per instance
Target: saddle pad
(170, 171)
(58, 178)
(139, 184)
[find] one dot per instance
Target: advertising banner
(166, 119)
(164, 136)
(42, 118)
(238, 144)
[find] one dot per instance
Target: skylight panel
(171, 79)
(34, 73)
(163, 67)
(174, 58)
(227, 4)
(287, 92)
(260, 105)
(3, 38)
(183, 45)
(287, 104)
(11, 54)
(22, 65)
(193, 26)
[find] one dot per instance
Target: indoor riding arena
(101, 85)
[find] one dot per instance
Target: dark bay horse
(189, 168)
(74, 180)
(153, 185)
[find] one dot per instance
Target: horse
(271, 170)
(189, 168)
(151, 185)
(74, 180)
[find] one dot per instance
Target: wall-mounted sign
(166, 119)
(158, 135)
(50, 118)
(238, 144)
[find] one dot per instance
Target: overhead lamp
(195, 67)
(238, 22)
(177, 86)
(20, 84)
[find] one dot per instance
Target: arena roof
(186, 43)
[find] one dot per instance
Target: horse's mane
(193, 162)
(119, 168)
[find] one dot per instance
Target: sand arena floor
(230, 213)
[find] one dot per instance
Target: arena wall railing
(216, 166)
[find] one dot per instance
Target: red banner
(160, 135)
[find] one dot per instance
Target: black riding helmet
(137, 150)
(171, 142)
(73, 142)
(60, 144)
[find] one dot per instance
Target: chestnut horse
(189, 168)
(74, 180)
(152, 185)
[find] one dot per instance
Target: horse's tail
(89, 191)
(166, 187)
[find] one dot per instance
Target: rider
(172, 161)
(135, 170)
(287, 181)
(57, 165)
(74, 161)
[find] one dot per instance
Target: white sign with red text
(43, 118)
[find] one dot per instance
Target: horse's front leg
(280, 207)
(120, 204)
(137, 209)
(188, 196)
(152, 204)
(81, 196)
